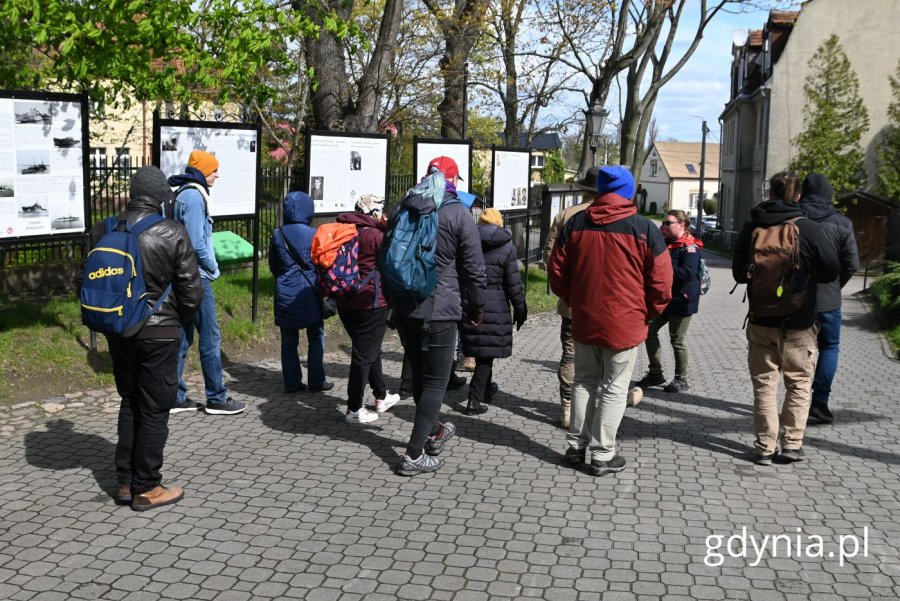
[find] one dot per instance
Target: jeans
(147, 381)
(366, 330)
(206, 323)
(480, 388)
(829, 341)
(678, 327)
(599, 397)
(430, 357)
(774, 353)
(291, 372)
(566, 371)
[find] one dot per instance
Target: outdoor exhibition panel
(235, 146)
(43, 165)
(510, 178)
(343, 167)
(459, 150)
(235, 194)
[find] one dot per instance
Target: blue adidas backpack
(407, 257)
(113, 291)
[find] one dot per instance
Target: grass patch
(537, 296)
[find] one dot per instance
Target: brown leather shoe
(123, 494)
(157, 497)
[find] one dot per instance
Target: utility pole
(702, 178)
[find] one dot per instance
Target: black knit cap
(149, 182)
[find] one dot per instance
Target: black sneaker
(435, 444)
(819, 415)
(323, 388)
(301, 388)
(575, 456)
(760, 459)
(676, 385)
(186, 405)
(791, 455)
(601, 468)
(229, 407)
(651, 379)
(404, 393)
(423, 465)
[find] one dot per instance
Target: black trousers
(146, 373)
(430, 356)
(480, 388)
(366, 330)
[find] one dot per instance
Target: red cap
(445, 165)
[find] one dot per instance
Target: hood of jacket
(423, 205)
(686, 240)
(815, 197)
(190, 176)
(144, 204)
(775, 210)
(298, 208)
(493, 236)
(358, 219)
(610, 208)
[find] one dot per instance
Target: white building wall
(657, 186)
(682, 190)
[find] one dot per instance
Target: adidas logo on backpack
(113, 291)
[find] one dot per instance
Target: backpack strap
(136, 230)
(300, 263)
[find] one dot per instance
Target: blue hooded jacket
(191, 210)
(296, 302)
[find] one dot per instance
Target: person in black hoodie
(784, 345)
(428, 329)
(815, 202)
(493, 338)
(145, 365)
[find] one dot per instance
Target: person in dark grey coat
(493, 338)
(816, 204)
(428, 329)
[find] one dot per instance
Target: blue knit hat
(615, 179)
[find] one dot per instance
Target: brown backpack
(774, 285)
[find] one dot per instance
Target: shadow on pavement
(61, 447)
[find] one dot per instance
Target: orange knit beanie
(205, 162)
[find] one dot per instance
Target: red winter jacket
(612, 267)
(371, 233)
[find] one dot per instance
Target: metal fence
(108, 184)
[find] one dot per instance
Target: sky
(701, 89)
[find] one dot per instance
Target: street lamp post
(595, 117)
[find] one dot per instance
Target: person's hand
(476, 317)
(520, 318)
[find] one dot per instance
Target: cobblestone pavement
(286, 501)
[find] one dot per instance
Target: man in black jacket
(785, 344)
(815, 202)
(145, 365)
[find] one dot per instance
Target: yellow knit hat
(203, 161)
(491, 216)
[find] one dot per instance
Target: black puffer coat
(493, 338)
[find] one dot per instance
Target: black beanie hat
(150, 183)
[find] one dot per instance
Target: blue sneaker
(229, 407)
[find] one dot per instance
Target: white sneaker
(363, 416)
(389, 400)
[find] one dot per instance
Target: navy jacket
(685, 253)
(494, 337)
(297, 304)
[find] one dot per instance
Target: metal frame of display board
(307, 163)
(417, 140)
(159, 123)
(83, 100)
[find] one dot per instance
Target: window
(122, 158)
(691, 169)
(654, 168)
(537, 161)
(692, 200)
(98, 157)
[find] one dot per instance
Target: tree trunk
(452, 108)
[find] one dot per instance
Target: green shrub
(887, 291)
